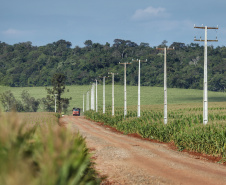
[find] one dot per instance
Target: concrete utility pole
(55, 101)
(138, 104)
(125, 103)
(96, 97)
(104, 94)
(113, 92)
(83, 107)
(165, 83)
(92, 96)
(87, 100)
(205, 89)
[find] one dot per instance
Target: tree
(88, 43)
(48, 102)
(30, 103)
(163, 44)
(25, 65)
(58, 83)
(10, 103)
(143, 44)
(124, 46)
(177, 45)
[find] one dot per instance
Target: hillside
(25, 65)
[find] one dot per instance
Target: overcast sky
(149, 21)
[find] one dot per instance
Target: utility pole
(138, 104)
(205, 89)
(83, 107)
(113, 92)
(125, 103)
(104, 94)
(96, 97)
(55, 101)
(165, 83)
(87, 100)
(92, 97)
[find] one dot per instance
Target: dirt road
(128, 160)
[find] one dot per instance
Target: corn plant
(185, 127)
(38, 151)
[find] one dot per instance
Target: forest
(23, 65)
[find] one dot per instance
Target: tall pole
(96, 97)
(125, 101)
(205, 81)
(113, 92)
(165, 84)
(205, 92)
(165, 88)
(55, 102)
(83, 107)
(138, 104)
(104, 94)
(87, 100)
(92, 97)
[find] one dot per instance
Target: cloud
(14, 32)
(150, 13)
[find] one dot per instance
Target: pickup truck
(76, 111)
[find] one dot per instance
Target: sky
(150, 21)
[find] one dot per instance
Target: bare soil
(125, 159)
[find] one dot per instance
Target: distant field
(149, 95)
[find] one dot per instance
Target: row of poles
(205, 95)
(125, 93)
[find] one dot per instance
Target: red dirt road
(128, 160)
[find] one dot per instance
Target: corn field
(185, 126)
(35, 150)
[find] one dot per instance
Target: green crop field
(185, 118)
(185, 128)
(149, 95)
(35, 150)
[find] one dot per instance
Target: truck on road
(76, 111)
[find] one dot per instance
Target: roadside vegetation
(185, 126)
(35, 150)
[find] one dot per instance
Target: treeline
(53, 100)
(25, 65)
(26, 104)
